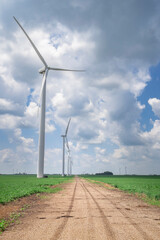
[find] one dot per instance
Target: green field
(16, 186)
(146, 186)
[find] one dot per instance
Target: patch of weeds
(3, 225)
(14, 217)
(24, 207)
(43, 196)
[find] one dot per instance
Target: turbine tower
(64, 138)
(44, 71)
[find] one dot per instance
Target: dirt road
(85, 210)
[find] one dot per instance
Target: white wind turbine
(44, 71)
(64, 138)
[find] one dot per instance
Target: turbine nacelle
(42, 70)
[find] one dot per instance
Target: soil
(84, 210)
(16, 206)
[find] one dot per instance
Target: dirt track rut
(85, 210)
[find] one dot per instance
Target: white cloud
(155, 104)
(31, 115)
(6, 155)
(26, 142)
(53, 161)
(21, 158)
(8, 121)
(7, 105)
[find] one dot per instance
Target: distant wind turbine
(44, 71)
(64, 139)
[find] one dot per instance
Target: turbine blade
(67, 144)
(63, 69)
(36, 50)
(67, 127)
(40, 96)
(42, 86)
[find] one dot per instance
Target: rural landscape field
(80, 120)
(90, 201)
(16, 186)
(147, 187)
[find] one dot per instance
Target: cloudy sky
(114, 105)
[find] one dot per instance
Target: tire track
(132, 222)
(106, 223)
(61, 227)
(91, 223)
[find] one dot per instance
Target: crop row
(16, 186)
(148, 186)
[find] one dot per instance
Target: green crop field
(16, 186)
(146, 186)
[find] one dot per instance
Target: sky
(114, 105)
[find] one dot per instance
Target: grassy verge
(4, 223)
(145, 187)
(13, 187)
(16, 186)
(14, 216)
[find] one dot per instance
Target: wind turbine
(64, 138)
(44, 71)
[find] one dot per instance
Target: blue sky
(150, 91)
(114, 105)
